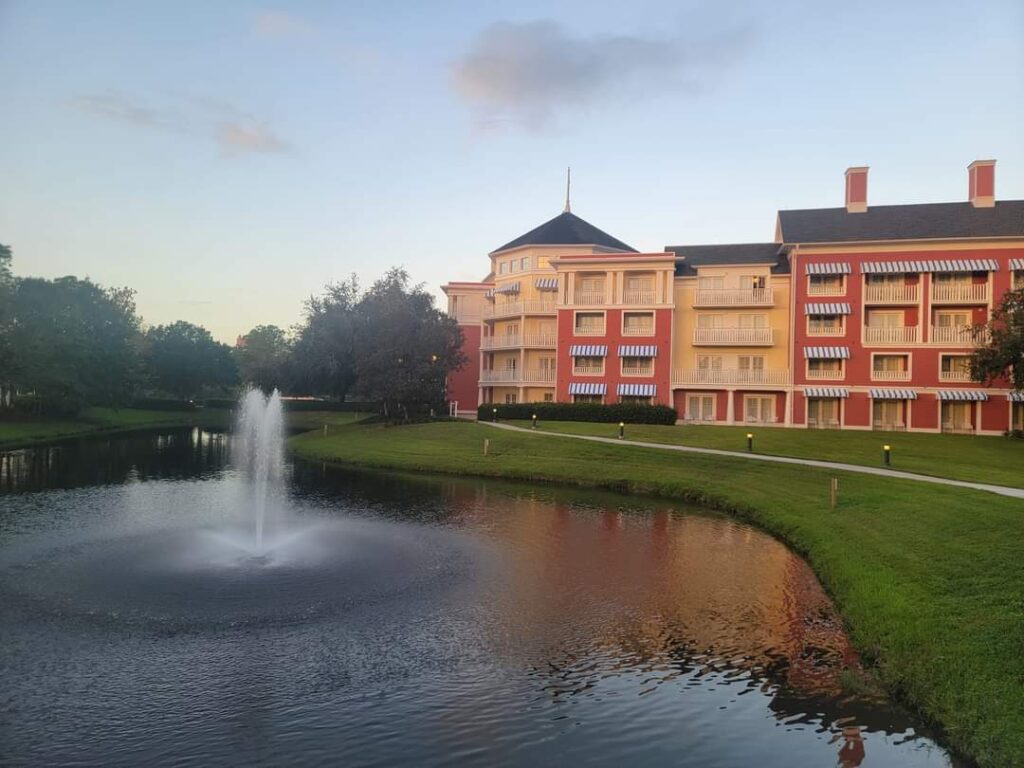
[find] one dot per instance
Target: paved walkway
(1002, 490)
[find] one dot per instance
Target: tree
(6, 327)
(404, 347)
(323, 358)
(1003, 353)
(182, 359)
(73, 342)
(262, 357)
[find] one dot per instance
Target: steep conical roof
(567, 229)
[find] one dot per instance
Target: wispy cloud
(235, 132)
(278, 25)
(529, 74)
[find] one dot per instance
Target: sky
(227, 160)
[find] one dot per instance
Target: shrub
(162, 404)
(614, 412)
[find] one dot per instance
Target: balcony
(825, 330)
(903, 334)
(954, 375)
(837, 289)
(746, 336)
(590, 297)
(514, 308)
(890, 294)
(760, 377)
(539, 376)
(465, 317)
(505, 341)
(959, 293)
(588, 370)
(830, 374)
(958, 335)
(588, 330)
(734, 297)
(638, 330)
(638, 297)
(890, 375)
(638, 370)
(507, 376)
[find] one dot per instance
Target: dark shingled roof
(928, 221)
(727, 255)
(567, 229)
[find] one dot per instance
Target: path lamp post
(887, 455)
(622, 429)
(494, 414)
(750, 442)
(534, 421)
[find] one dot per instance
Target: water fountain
(260, 452)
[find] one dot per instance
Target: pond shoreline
(880, 573)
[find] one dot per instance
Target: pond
(407, 620)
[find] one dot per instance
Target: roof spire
(568, 182)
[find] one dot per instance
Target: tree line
(68, 342)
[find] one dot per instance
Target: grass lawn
(996, 460)
(107, 421)
(928, 578)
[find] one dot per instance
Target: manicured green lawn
(107, 421)
(928, 578)
(997, 460)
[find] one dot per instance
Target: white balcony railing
(753, 336)
(588, 370)
(954, 375)
(588, 330)
(834, 289)
(891, 294)
(903, 334)
(772, 377)
(512, 308)
(638, 370)
(825, 330)
(466, 318)
(638, 297)
(960, 293)
(503, 341)
(958, 335)
(589, 297)
(539, 376)
(890, 375)
(504, 376)
(826, 373)
(638, 330)
(734, 297)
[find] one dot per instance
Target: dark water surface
(406, 621)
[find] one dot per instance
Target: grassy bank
(929, 579)
(107, 421)
(997, 460)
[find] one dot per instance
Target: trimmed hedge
(162, 404)
(614, 412)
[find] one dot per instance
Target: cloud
(236, 137)
(278, 25)
(529, 74)
(234, 131)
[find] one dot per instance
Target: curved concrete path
(1002, 490)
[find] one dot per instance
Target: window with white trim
(750, 362)
(759, 409)
(589, 323)
(825, 285)
(710, 282)
(753, 321)
(510, 399)
(700, 407)
(705, 322)
(588, 365)
(638, 323)
(823, 412)
(824, 325)
(597, 399)
(709, 362)
(637, 366)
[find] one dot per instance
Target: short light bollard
(494, 414)
(750, 442)
(534, 421)
(887, 455)
(833, 492)
(622, 429)
(325, 430)
(487, 446)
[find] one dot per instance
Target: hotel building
(856, 317)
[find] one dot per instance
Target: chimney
(981, 183)
(857, 189)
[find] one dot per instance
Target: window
(637, 366)
(700, 407)
(511, 329)
(598, 399)
(952, 319)
(887, 414)
(824, 325)
(709, 362)
(710, 321)
(1018, 279)
(510, 363)
(955, 368)
(889, 363)
(753, 321)
(510, 399)
(503, 268)
(759, 409)
(951, 278)
(1017, 418)
(590, 288)
(823, 412)
(524, 263)
(637, 324)
(549, 397)
(588, 366)
(824, 369)
(634, 400)
(888, 278)
(547, 363)
(712, 283)
(750, 362)
(956, 417)
(639, 283)
(826, 285)
(885, 319)
(752, 282)
(590, 323)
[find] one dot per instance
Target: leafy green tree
(1003, 353)
(404, 347)
(323, 357)
(262, 357)
(183, 359)
(73, 343)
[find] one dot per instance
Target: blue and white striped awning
(638, 350)
(1015, 397)
(961, 394)
(826, 308)
(587, 388)
(827, 353)
(939, 265)
(547, 283)
(508, 288)
(828, 268)
(893, 394)
(826, 392)
(1016, 264)
(589, 350)
(638, 390)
